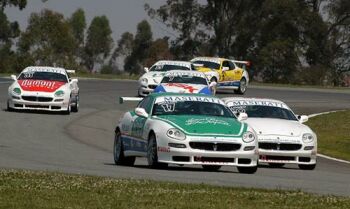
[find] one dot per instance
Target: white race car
(184, 81)
(282, 136)
(151, 79)
(185, 129)
(44, 88)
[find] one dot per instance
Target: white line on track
(1, 82)
(325, 156)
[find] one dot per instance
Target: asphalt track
(82, 142)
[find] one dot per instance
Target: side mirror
(212, 84)
(303, 118)
(146, 69)
(141, 112)
(242, 116)
(225, 69)
(14, 77)
(74, 80)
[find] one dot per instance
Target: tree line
(287, 41)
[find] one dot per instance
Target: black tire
(307, 167)
(152, 153)
(276, 165)
(211, 167)
(242, 87)
(118, 152)
(248, 170)
(75, 107)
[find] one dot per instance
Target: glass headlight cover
(308, 138)
(176, 134)
(248, 137)
(16, 91)
(59, 93)
(144, 81)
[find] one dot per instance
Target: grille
(271, 157)
(277, 146)
(37, 99)
(214, 159)
(215, 146)
(37, 106)
(152, 86)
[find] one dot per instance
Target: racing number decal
(138, 126)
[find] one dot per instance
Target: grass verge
(25, 189)
(333, 134)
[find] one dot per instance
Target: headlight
(144, 81)
(248, 137)
(176, 134)
(59, 93)
(308, 138)
(16, 91)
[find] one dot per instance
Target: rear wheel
(307, 167)
(276, 165)
(152, 153)
(242, 86)
(118, 152)
(248, 170)
(75, 107)
(211, 167)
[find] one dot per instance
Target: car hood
(270, 126)
(40, 85)
(205, 125)
(182, 87)
(154, 77)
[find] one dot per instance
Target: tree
(21, 4)
(48, 39)
(99, 42)
(78, 24)
(159, 50)
(124, 49)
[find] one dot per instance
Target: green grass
(299, 86)
(25, 189)
(333, 134)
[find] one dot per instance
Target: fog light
(309, 148)
(176, 145)
(248, 148)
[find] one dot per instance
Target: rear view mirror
(242, 116)
(225, 69)
(212, 84)
(146, 69)
(303, 118)
(14, 77)
(141, 112)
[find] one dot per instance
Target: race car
(180, 81)
(44, 88)
(185, 129)
(153, 76)
(225, 72)
(283, 138)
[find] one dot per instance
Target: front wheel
(152, 154)
(307, 167)
(248, 170)
(75, 107)
(118, 152)
(242, 86)
(9, 109)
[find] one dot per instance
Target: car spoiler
(244, 64)
(129, 99)
(71, 71)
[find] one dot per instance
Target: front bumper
(54, 105)
(195, 156)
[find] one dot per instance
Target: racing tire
(67, 112)
(242, 87)
(211, 167)
(152, 153)
(247, 170)
(75, 107)
(8, 108)
(276, 165)
(307, 167)
(118, 152)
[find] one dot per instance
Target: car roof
(185, 72)
(45, 69)
(211, 59)
(173, 62)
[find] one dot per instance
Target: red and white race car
(44, 88)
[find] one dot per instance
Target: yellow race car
(226, 73)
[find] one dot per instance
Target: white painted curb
(325, 156)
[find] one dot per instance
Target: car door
(228, 75)
(138, 122)
(237, 72)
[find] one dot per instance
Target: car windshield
(47, 76)
(208, 64)
(261, 111)
(167, 67)
(192, 108)
(185, 79)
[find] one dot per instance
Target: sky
(123, 15)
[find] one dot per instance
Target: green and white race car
(185, 129)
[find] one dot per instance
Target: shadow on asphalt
(41, 112)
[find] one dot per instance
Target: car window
(146, 104)
(227, 64)
(261, 111)
(208, 64)
(165, 68)
(231, 65)
(185, 79)
(47, 76)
